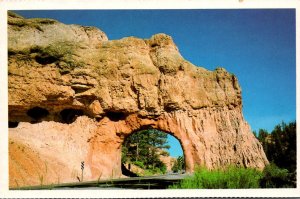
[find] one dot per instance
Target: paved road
(148, 182)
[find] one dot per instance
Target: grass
(152, 172)
(229, 178)
(41, 179)
(139, 164)
(238, 178)
(18, 21)
(99, 178)
(17, 183)
(12, 14)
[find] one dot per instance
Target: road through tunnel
(107, 155)
(149, 151)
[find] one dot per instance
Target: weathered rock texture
(77, 95)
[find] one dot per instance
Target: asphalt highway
(148, 182)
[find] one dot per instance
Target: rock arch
(213, 151)
(168, 160)
(113, 88)
(123, 129)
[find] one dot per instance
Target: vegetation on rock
(18, 21)
(60, 54)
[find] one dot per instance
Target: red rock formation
(169, 161)
(78, 95)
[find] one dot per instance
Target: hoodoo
(75, 96)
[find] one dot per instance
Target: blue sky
(257, 45)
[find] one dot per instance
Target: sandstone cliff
(74, 96)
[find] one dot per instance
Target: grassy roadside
(230, 178)
(237, 178)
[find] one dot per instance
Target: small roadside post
(82, 167)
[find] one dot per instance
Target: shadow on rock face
(116, 116)
(127, 172)
(37, 113)
(69, 115)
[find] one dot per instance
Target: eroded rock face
(83, 94)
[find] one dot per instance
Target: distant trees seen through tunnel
(146, 153)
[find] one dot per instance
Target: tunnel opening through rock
(69, 115)
(148, 152)
(37, 113)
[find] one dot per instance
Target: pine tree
(280, 145)
(143, 148)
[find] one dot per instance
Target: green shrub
(149, 172)
(139, 164)
(275, 177)
(236, 178)
(163, 169)
(157, 170)
(178, 165)
(232, 178)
